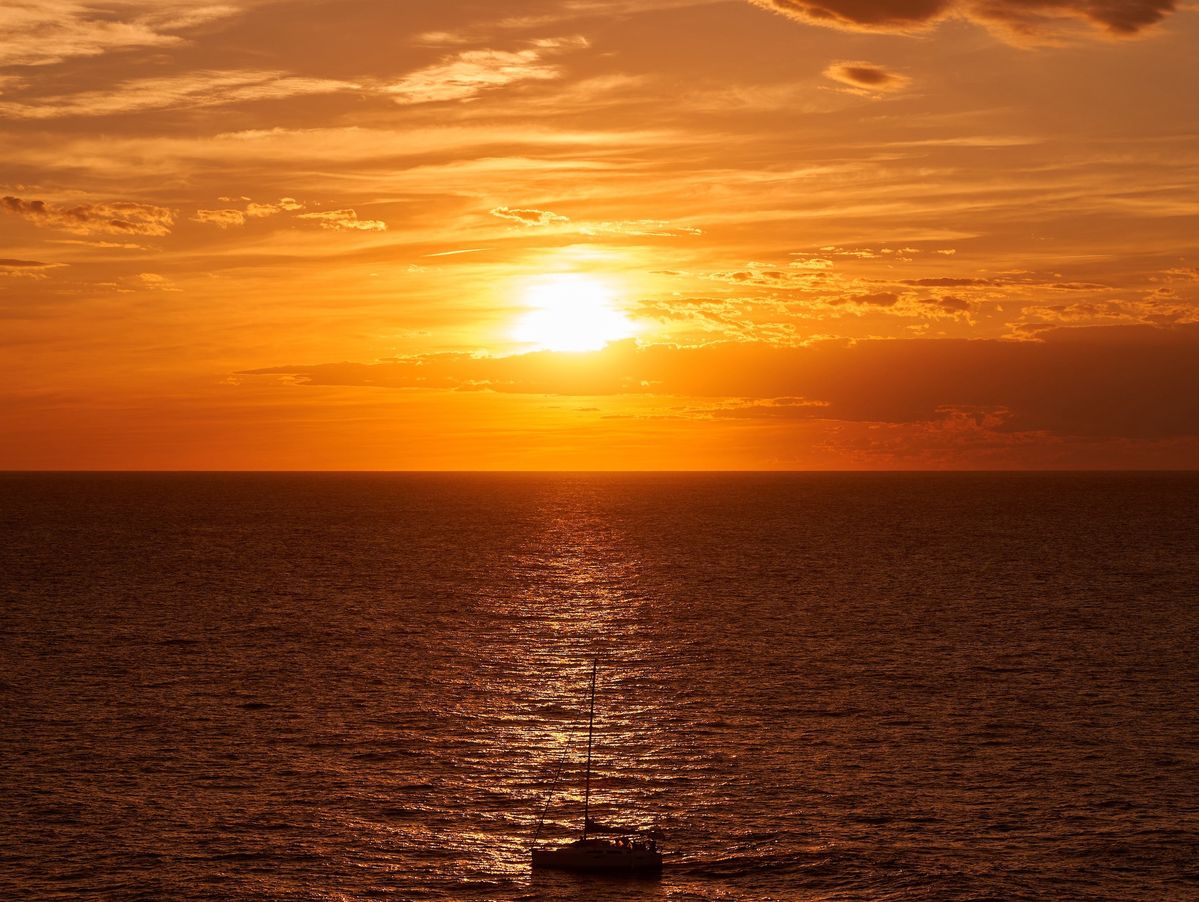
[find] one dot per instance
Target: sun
(571, 312)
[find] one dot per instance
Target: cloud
(881, 299)
(643, 228)
(947, 282)
(23, 264)
(815, 263)
(866, 77)
(1134, 382)
(26, 269)
(228, 218)
(121, 245)
(455, 253)
(284, 204)
(466, 75)
(1020, 20)
(345, 220)
(529, 217)
(951, 304)
(224, 219)
(119, 218)
(152, 281)
(413, 155)
(1182, 273)
(41, 32)
(191, 89)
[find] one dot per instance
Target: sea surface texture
(818, 687)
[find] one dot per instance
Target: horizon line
(596, 471)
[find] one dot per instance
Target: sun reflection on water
(576, 596)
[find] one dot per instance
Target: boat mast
(590, 731)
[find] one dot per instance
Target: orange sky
(615, 234)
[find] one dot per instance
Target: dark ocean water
(868, 687)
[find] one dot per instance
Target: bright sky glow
(571, 312)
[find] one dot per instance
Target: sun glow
(571, 312)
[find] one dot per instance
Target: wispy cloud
(228, 217)
(118, 217)
(529, 217)
(41, 32)
(225, 219)
(639, 228)
(114, 245)
(466, 75)
(345, 220)
(283, 205)
(27, 269)
(465, 250)
(192, 89)
(644, 228)
(151, 281)
(878, 299)
(538, 147)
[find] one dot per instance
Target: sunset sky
(599, 234)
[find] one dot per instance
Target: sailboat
(600, 849)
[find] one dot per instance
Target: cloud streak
(529, 217)
(283, 205)
(224, 219)
(25, 269)
(41, 32)
(117, 218)
(1019, 20)
(1132, 382)
(465, 76)
(637, 228)
(192, 89)
(230, 218)
(345, 220)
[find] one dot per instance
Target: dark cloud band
(1018, 18)
(1124, 382)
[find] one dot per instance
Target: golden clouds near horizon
(571, 312)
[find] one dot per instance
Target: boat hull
(599, 860)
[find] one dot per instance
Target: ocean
(816, 686)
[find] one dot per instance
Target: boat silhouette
(602, 849)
